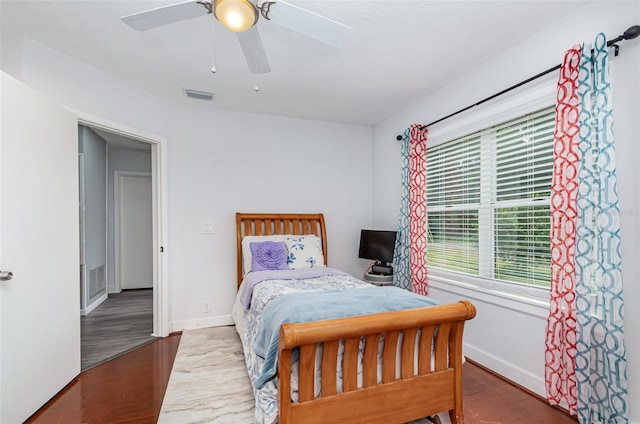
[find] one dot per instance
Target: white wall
(219, 163)
(95, 162)
(228, 162)
(95, 236)
(508, 335)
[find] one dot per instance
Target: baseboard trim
(94, 305)
(193, 324)
(532, 382)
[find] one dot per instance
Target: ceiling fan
(241, 16)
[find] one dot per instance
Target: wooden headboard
(266, 224)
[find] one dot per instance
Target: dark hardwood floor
(130, 388)
(127, 389)
(489, 399)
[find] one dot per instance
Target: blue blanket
(305, 307)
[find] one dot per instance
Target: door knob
(6, 275)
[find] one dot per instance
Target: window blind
(488, 201)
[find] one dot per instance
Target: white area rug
(209, 381)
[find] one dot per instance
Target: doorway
(118, 136)
(117, 230)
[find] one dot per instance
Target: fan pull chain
(256, 87)
(213, 50)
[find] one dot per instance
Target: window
(488, 201)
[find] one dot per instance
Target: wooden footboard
(426, 342)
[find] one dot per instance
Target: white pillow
(304, 251)
(246, 248)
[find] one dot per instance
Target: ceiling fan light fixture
(235, 15)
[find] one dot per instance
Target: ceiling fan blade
(153, 18)
(254, 51)
(308, 23)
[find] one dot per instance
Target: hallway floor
(121, 323)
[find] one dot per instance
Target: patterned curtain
(585, 354)
(410, 256)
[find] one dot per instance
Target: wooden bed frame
(430, 337)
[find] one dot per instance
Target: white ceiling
(398, 50)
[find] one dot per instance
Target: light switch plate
(207, 227)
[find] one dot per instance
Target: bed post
(284, 377)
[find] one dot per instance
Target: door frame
(117, 205)
(159, 205)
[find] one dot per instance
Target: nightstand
(379, 280)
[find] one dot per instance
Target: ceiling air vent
(200, 95)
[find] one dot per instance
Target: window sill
(532, 301)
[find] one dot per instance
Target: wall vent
(96, 281)
(200, 95)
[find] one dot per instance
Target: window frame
(532, 97)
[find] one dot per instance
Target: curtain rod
(629, 34)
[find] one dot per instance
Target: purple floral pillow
(267, 255)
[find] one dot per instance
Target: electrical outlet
(207, 227)
(206, 306)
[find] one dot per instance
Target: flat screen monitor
(377, 245)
